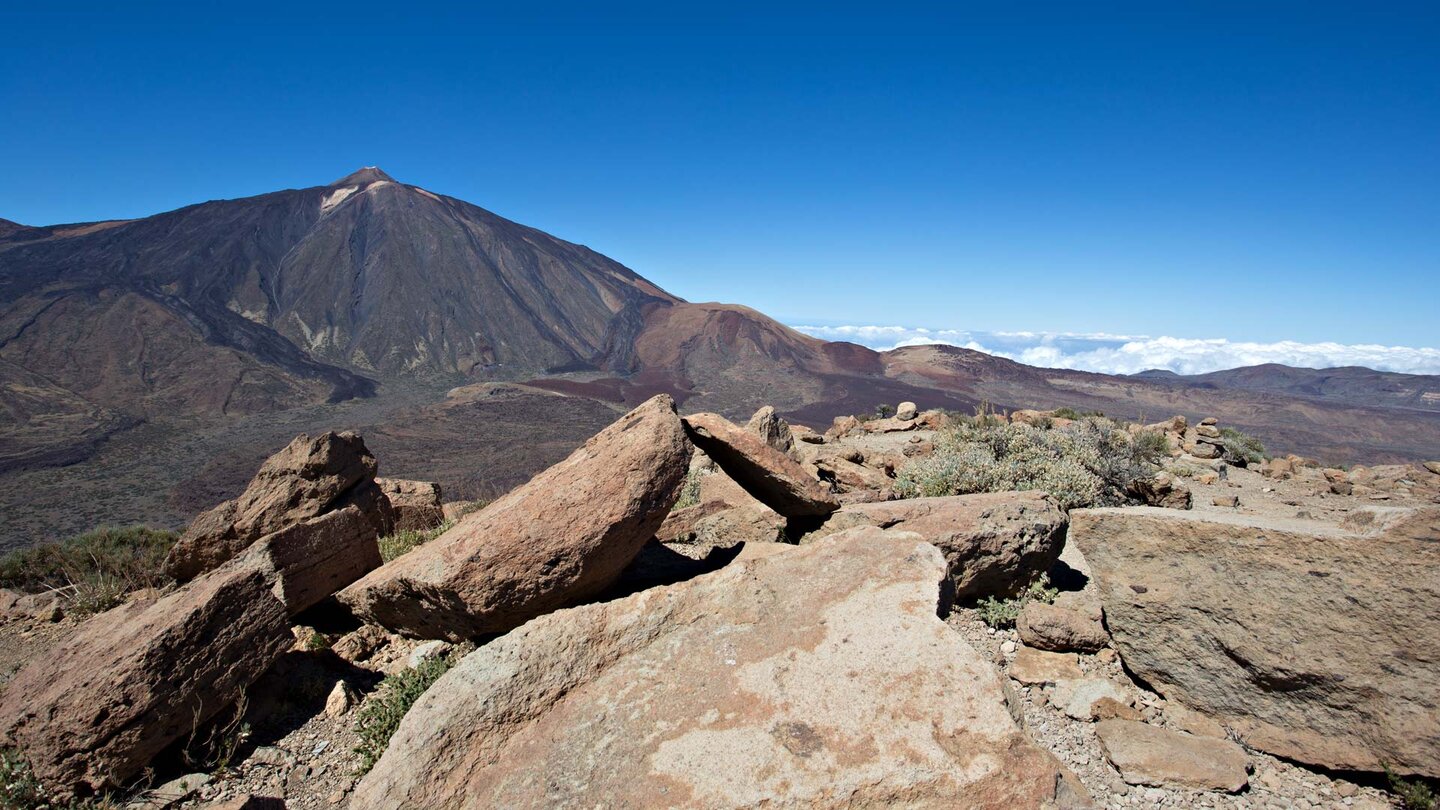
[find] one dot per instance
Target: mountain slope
(1351, 385)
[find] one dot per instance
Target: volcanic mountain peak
(364, 176)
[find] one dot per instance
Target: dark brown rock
(774, 478)
(564, 536)
(416, 505)
(95, 710)
(310, 476)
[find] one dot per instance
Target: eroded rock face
(417, 505)
(820, 675)
(774, 478)
(311, 560)
(562, 537)
(94, 711)
(772, 430)
(309, 477)
(994, 543)
(1312, 643)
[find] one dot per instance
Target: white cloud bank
(1128, 354)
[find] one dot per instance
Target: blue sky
(1253, 172)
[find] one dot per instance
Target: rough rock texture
(1148, 755)
(772, 477)
(994, 543)
(416, 505)
(1162, 490)
(310, 476)
(1037, 667)
(1060, 629)
(95, 710)
(309, 561)
(716, 523)
(819, 676)
(1309, 642)
(562, 537)
(772, 430)
(1081, 698)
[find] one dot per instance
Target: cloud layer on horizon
(1129, 354)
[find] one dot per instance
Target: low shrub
(399, 543)
(1412, 793)
(690, 492)
(1002, 613)
(92, 571)
(382, 713)
(1089, 462)
(1240, 449)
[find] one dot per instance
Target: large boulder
(995, 543)
(416, 505)
(564, 536)
(309, 477)
(774, 478)
(1309, 641)
(311, 560)
(92, 712)
(818, 676)
(1148, 755)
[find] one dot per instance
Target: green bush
(1240, 449)
(1413, 793)
(690, 492)
(392, 546)
(1002, 613)
(93, 571)
(1090, 462)
(382, 713)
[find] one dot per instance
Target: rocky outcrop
(718, 524)
(564, 536)
(774, 478)
(416, 505)
(309, 477)
(311, 560)
(772, 430)
(994, 544)
(1060, 629)
(1308, 641)
(1161, 489)
(819, 676)
(94, 711)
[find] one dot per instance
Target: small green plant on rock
(382, 713)
(1413, 793)
(690, 492)
(1002, 613)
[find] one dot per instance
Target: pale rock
(1034, 667)
(819, 675)
(1148, 755)
(1077, 697)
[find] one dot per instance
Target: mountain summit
(363, 177)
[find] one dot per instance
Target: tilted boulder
(311, 560)
(309, 477)
(819, 676)
(1310, 642)
(772, 430)
(995, 544)
(93, 712)
(416, 505)
(718, 524)
(774, 478)
(564, 536)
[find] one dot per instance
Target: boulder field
(686, 612)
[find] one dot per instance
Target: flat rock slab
(1060, 629)
(564, 536)
(815, 677)
(994, 544)
(1310, 642)
(1037, 667)
(1149, 755)
(94, 711)
(772, 477)
(313, 559)
(1079, 698)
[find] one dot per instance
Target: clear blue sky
(1208, 169)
